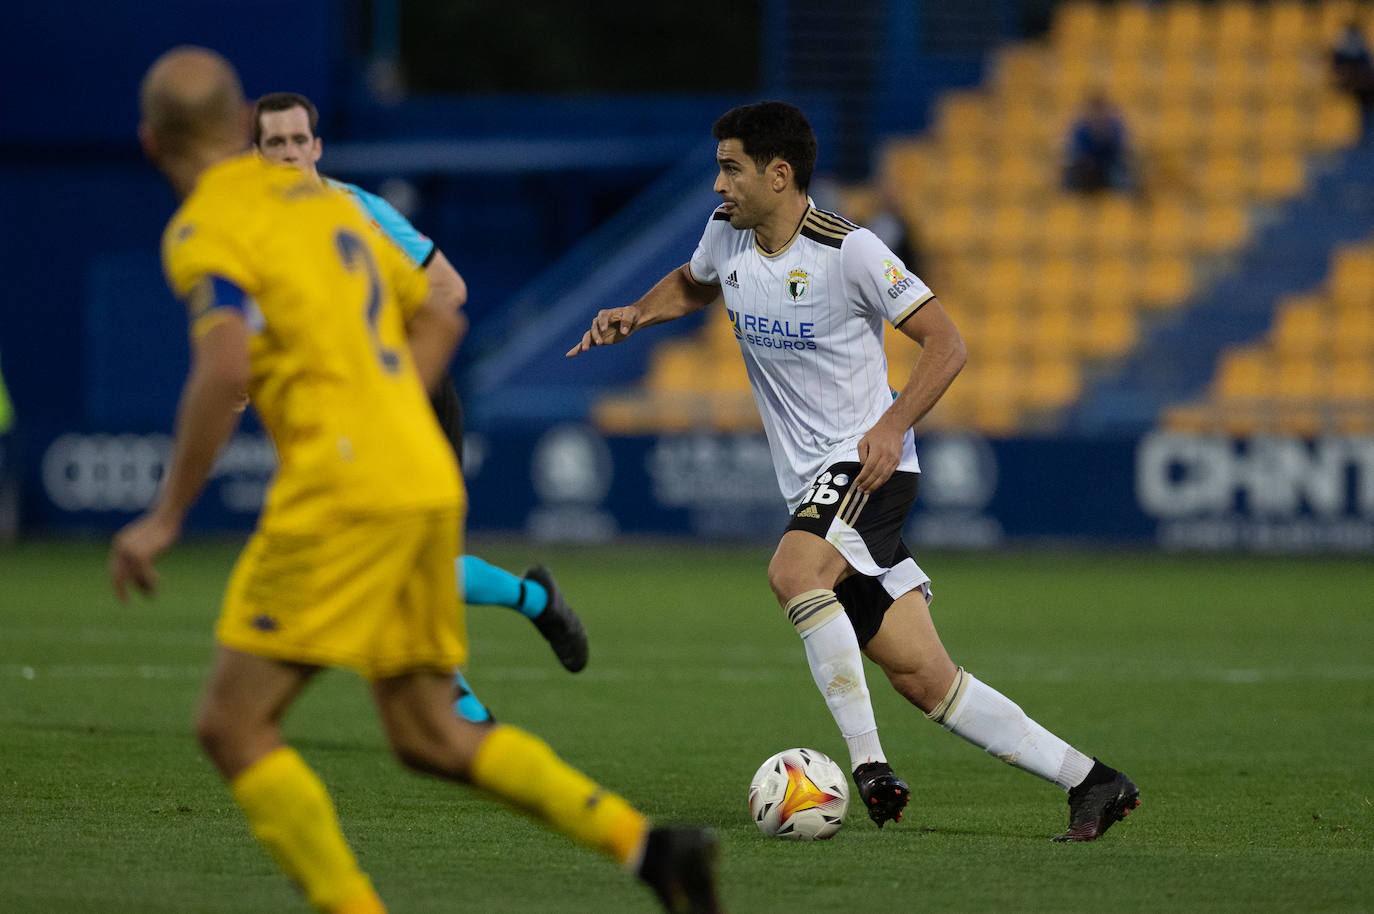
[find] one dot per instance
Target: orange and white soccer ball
(799, 794)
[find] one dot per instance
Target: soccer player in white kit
(808, 293)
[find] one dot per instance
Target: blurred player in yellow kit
(351, 565)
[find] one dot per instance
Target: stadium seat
(1224, 226)
(1183, 28)
(1167, 281)
(1245, 375)
(1302, 328)
(1115, 225)
(1052, 383)
(1225, 102)
(1337, 122)
(1237, 30)
(1107, 332)
(1352, 333)
(1288, 26)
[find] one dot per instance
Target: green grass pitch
(1237, 692)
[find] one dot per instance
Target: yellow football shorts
(372, 594)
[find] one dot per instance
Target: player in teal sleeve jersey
(284, 130)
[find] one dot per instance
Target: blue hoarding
(572, 483)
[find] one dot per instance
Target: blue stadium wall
(570, 483)
(94, 349)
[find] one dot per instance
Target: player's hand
(611, 325)
(134, 550)
(880, 451)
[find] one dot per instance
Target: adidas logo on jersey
(732, 280)
(809, 511)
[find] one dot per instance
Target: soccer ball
(799, 794)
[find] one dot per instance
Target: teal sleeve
(416, 245)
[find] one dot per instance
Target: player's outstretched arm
(675, 295)
(942, 358)
(211, 403)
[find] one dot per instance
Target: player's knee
(218, 733)
(918, 686)
(432, 754)
(787, 580)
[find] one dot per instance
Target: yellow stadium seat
(1003, 333)
(1299, 377)
(1063, 228)
(1177, 126)
(1129, 77)
(966, 174)
(1237, 28)
(1059, 283)
(1351, 279)
(1169, 227)
(1168, 280)
(1054, 331)
(1235, 80)
(1070, 79)
(1352, 380)
(679, 365)
(1183, 27)
(1077, 25)
(1282, 128)
(1231, 128)
(1020, 71)
(1113, 279)
(1337, 123)
(1352, 332)
(962, 122)
(1301, 328)
(1199, 418)
(1288, 79)
(1224, 176)
(1279, 175)
(1107, 333)
(909, 173)
(1007, 282)
(1021, 174)
(1132, 30)
(1224, 226)
(1009, 229)
(1115, 225)
(1022, 127)
(1300, 417)
(1333, 15)
(952, 228)
(1245, 374)
(1288, 27)
(1052, 383)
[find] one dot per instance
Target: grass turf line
(1237, 692)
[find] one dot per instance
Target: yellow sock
(291, 814)
(523, 771)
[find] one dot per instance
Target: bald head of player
(192, 114)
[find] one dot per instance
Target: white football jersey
(809, 320)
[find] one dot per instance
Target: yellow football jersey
(332, 376)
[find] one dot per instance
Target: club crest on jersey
(797, 282)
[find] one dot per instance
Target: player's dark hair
(283, 101)
(770, 130)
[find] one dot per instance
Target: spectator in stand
(1098, 149)
(1354, 73)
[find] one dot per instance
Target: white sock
(832, 650)
(991, 721)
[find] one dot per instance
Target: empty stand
(1226, 104)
